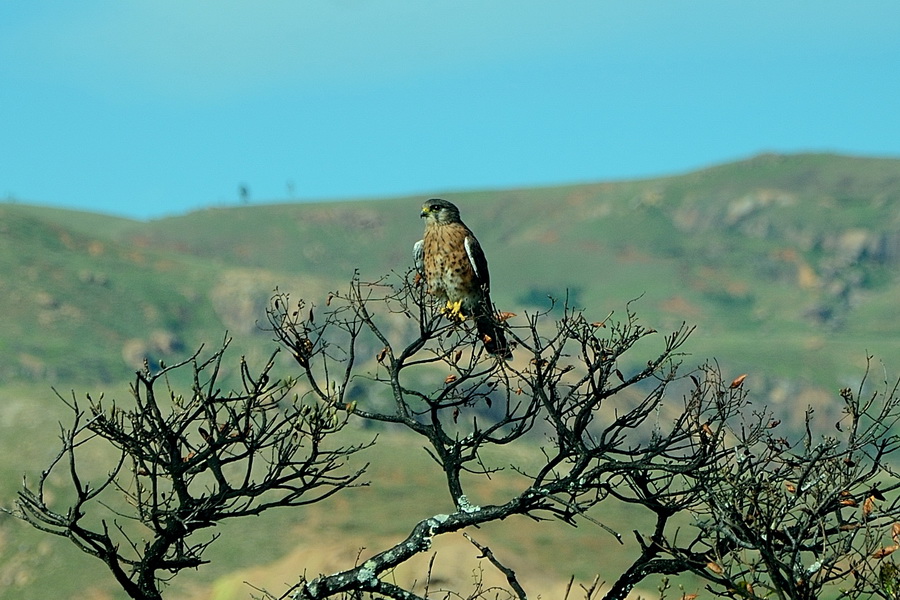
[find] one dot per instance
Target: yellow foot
(452, 310)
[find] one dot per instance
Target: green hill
(788, 265)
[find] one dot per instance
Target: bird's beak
(424, 213)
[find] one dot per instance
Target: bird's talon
(453, 310)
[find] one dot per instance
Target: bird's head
(440, 211)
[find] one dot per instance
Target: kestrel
(454, 267)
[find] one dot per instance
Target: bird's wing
(419, 256)
(478, 261)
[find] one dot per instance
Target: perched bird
(453, 265)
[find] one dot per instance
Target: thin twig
(509, 573)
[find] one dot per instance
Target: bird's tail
(491, 333)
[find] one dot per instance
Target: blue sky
(152, 107)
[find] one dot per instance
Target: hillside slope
(787, 264)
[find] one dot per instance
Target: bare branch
(193, 460)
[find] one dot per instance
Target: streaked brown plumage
(453, 265)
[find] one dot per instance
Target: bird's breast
(448, 271)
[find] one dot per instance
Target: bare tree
(603, 408)
(607, 428)
(770, 516)
(790, 518)
(185, 463)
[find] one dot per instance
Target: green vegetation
(787, 265)
(756, 253)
